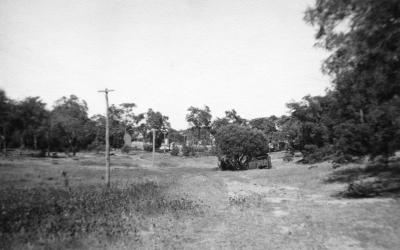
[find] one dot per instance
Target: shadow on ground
(374, 180)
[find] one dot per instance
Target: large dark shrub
(175, 150)
(238, 145)
(313, 153)
(96, 146)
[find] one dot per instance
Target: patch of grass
(92, 162)
(128, 164)
(48, 215)
(247, 201)
(165, 164)
(237, 200)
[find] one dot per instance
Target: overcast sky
(250, 55)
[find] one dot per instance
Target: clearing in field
(187, 203)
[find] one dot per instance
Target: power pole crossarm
(107, 153)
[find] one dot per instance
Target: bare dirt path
(287, 207)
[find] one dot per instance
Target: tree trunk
(68, 148)
(4, 145)
(198, 135)
(4, 141)
(48, 143)
(361, 116)
(34, 142)
(21, 142)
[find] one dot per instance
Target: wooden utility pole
(107, 153)
(164, 130)
(154, 146)
(164, 141)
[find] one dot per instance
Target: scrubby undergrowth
(45, 216)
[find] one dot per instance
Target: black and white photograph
(200, 124)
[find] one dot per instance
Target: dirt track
(287, 207)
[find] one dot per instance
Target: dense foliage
(238, 145)
(199, 121)
(67, 127)
(363, 112)
(156, 120)
(70, 125)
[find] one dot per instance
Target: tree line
(358, 116)
(361, 114)
(67, 126)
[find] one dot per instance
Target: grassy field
(187, 203)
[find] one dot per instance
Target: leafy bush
(96, 146)
(188, 150)
(31, 215)
(238, 145)
(313, 153)
(175, 150)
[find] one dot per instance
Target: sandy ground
(287, 207)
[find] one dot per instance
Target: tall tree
(314, 123)
(231, 117)
(7, 111)
(130, 119)
(219, 123)
(70, 123)
(176, 136)
(33, 120)
(363, 38)
(265, 124)
(156, 120)
(199, 118)
(234, 118)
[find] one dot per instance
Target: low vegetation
(45, 215)
(186, 203)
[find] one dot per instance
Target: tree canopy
(70, 122)
(156, 120)
(238, 145)
(199, 119)
(363, 38)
